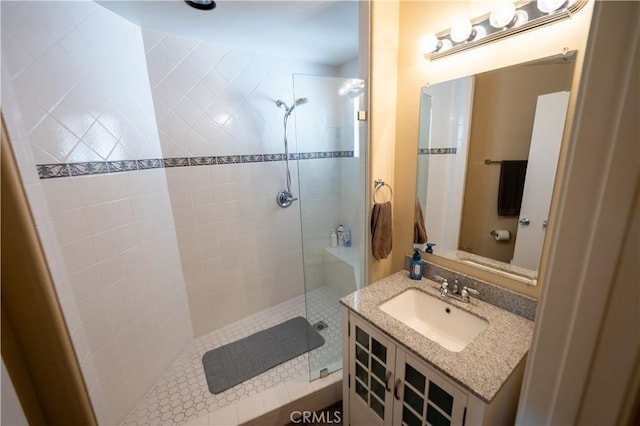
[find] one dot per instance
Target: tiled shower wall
(240, 252)
(75, 88)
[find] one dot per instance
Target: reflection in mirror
(487, 159)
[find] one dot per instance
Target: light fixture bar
(488, 34)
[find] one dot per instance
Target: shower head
(289, 110)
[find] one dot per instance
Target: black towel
(512, 175)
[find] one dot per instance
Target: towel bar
(379, 183)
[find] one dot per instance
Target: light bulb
(461, 31)
(429, 44)
(521, 18)
(479, 32)
(502, 15)
(549, 6)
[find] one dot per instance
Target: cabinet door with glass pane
(371, 366)
(424, 397)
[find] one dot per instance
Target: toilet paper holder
(506, 235)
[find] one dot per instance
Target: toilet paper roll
(501, 235)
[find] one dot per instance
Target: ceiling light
(201, 4)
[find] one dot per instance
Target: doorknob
(524, 221)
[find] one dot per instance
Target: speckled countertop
(483, 366)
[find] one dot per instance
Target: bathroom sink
(447, 325)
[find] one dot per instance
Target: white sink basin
(450, 327)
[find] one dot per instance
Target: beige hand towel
(381, 240)
(419, 230)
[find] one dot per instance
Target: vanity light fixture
(506, 19)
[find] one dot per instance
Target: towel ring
(379, 183)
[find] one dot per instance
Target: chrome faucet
(462, 295)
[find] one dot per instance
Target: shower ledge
(349, 255)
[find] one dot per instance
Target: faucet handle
(465, 292)
(443, 281)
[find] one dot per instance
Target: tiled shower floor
(182, 395)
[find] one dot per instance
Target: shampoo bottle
(417, 266)
(334, 238)
(346, 235)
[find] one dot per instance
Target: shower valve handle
(285, 198)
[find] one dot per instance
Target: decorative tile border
(49, 171)
(435, 151)
(90, 168)
(153, 163)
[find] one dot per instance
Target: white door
(548, 126)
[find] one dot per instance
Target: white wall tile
(78, 255)
(85, 283)
(93, 308)
(70, 226)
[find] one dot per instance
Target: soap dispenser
(417, 266)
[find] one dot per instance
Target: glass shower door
(331, 159)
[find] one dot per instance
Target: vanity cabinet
(389, 386)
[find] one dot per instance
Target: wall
(240, 252)
(414, 71)
(501, 129)
(384, 42)
(75, 89)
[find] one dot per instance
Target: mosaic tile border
(435, 151)
(49, 171)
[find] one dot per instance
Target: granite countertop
(483, 366)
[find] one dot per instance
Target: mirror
(487, 158)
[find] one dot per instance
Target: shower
(285, 197)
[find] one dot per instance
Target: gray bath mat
(236, 362)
